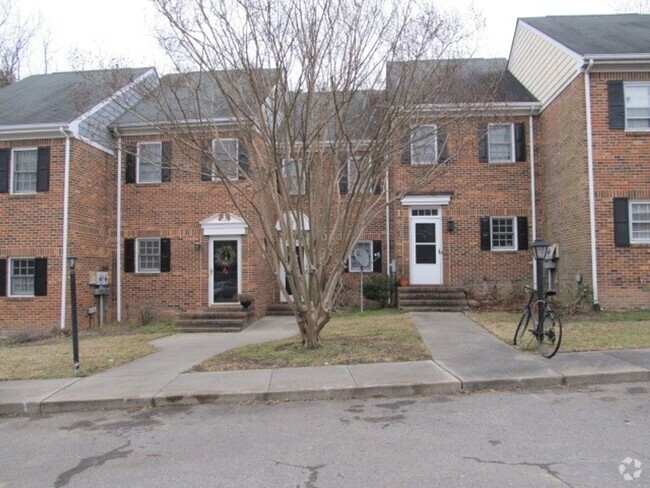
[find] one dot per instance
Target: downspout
(387, 227)
(118, 229)
(66, 208)
(592, 203)
(533, 197)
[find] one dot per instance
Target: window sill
(23, 195)
(503, 162)
(153, 184)
(26, 298)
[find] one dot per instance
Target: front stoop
(230, 318)
(431, 299)
(279, 309)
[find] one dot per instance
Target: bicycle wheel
(527, 322)
(549, 342)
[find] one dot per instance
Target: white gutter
(66, 208)
(533, 203)
(118, 225)
(387, 226)
(592, 204)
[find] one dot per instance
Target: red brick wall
(621, 169)
(478, 189)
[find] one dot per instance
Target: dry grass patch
(376, 336)
(99, 349)
(586, 332)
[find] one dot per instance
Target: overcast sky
(122, 29)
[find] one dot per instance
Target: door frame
(436, 219)
(283, 274)
(212, 240)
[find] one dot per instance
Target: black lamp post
(539, 248)
(73, 303)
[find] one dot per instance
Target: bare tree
(15, 35)
(324, 96)
(630, 6)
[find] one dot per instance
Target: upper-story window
(501, 143)
(294, 178)
(640, 221)
(226, 157)
(24, 170)
(637, 106)
(149, 162)
(424, 145)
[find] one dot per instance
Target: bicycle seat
(550, 293)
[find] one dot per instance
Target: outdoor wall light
(197, 245)
(71, 262)
(451, 225)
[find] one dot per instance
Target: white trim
(240, 260)
(592, 196)
(515, 234)
(435, 144)
(9, 276)
(645, 84)
(137, 255)
(137, 162)
(161, 127)
(425, 200)
(220, 140)
(481, 109)
(12, 168)
(512, 142)
(221, 224)
(291, 220)
(638, 201)
(439, 243)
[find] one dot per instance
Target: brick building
(557, 150)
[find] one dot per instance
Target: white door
(224, 268)
(425, 236)
(283, 277)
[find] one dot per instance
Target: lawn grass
(583, 332)
(99, 349)
(376, 336)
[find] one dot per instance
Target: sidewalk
(466, 358)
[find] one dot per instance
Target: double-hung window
(501, 143)
(24, 170)
(360, 183)
(149, 162)
(640, 222)
(148, 255)
(22, 273)
(294, 178)
(637, 106)
(424, 145)
(226, 156)
(503, 233)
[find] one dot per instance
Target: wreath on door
(225, 258)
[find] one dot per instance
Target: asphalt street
(577, 437)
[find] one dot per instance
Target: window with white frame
(356, 165)
(424, 145)
(360, 250)
(149, 162)
(22, 272)
(501, 143)
(295, 181)
(637, 106)
(24, 170)
(503, 233)
(148, 255)
(226, 157)
(640, 221)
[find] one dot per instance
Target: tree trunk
(310, 324)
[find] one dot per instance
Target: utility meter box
(99, 278)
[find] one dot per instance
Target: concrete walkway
(466, 357)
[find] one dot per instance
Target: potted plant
(403, 281)
(245, 299)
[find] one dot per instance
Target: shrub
(380, 289)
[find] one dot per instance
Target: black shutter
(40, 277)
(43, 169)
(520, 142)
(243, 159)
(522, 233)
(376, 248)
(621, 223)
(406, 149)
(616, 104)
(166, 166)
(486, 245)
(165, 255)
(443, 146)
(130, 165)
(3, 277)
(483, 142)
(129, 255)
(377, 189)
(5, 154)
(343, 180)
(206, 160)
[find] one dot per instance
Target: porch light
(451, 225)
(539, 248)
(71, 262)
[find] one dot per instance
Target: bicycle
(548, 341)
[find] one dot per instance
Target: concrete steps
(229, 318)
(279, 309)
(431, 299)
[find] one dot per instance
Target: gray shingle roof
(451, 81)
(60, 97)
(597, 34)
